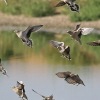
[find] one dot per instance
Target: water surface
(41, 77)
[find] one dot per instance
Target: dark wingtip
(83, 84)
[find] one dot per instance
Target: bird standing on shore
(78, 32)
(64, 50)
(71, 3)
(24, 35)
(70, 78)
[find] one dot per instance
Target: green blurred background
(89, 9)
(11, 46)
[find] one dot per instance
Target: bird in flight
(71, 3)
(19, 90)
(70, 78)
(64, 50)
(78, 32)
(25, 35)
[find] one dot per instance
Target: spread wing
(31, 29)
(70, 80)
(86, 31)
(77, 79)
(56, 44)
(94, 43)
(61, 3)
(77, 27)
(63, 74)
(17, 91)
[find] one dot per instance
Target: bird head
(81, 82)
(21, 82)
(16, 31)
(70, 32)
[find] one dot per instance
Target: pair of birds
(71, 3)
(75, 34)
(20, 90)
(64, 50)
(2, 70)
(25, 35)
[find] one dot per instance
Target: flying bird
(64, 50)
(25, 35)
(44, 97)
(78, 32)
(2, 70)
(71, 3)
(70, 78)
(19, 90)
(94, 43)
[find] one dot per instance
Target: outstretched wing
(31, 29)
(77, 79)
(56, 43)
(70, 80)
(17, 91)
(94, 43)
(86, 31)
(61, 3)
(77, 27)
(63, 74)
